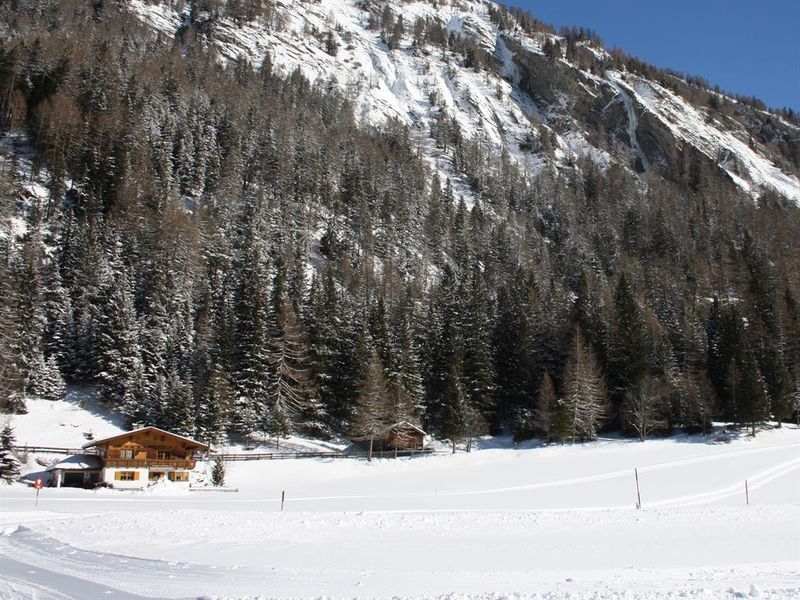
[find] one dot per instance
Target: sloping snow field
(498, 523)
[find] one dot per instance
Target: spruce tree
(9, 465)
(634, 352)
(120, 353)
(753, 405)
(218, 473)
(455, 407)
(46, 381)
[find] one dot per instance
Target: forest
(223, 250)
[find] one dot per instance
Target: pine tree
(9, 465)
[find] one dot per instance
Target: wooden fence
(229, 457)
(53, 450)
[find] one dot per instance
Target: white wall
(109, 477)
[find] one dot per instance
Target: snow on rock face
(688, 124)
(413, 85)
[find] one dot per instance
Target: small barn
(404, 436)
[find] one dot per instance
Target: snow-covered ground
(500, 522)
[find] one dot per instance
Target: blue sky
(745, 46)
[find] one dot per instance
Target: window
(126, 454)
(126, 476)
(179, 476)
(155, 475)
(163, 455)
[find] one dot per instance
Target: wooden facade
(404, 436)
(400, 436)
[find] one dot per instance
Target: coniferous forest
(224, 250)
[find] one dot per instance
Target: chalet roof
(118, 436)
(404, 425)
(386, 430)
(77, 462)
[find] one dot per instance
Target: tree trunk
(369, 454)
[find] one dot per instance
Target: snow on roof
(77, 462)
(127, 433)
(405, 424)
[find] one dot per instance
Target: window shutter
(136, 475)
(117, 476)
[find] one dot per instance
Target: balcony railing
(149, 463)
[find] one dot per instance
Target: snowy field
(498, 523)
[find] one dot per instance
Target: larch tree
(292, 398)
(545, 414)
(372, 410)
(584, 400)
(643, 406)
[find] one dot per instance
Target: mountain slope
(510, 102)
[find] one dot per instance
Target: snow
(64, 423)
(522, 522)
(78, 462)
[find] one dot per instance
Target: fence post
(283, 498)
(746, 492)
(638, 494)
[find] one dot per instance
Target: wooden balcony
(150, 463)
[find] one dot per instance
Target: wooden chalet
(131, 460)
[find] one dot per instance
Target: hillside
(249, 219)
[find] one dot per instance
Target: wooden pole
(746, 492)
(638, 494)
(283, 498)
